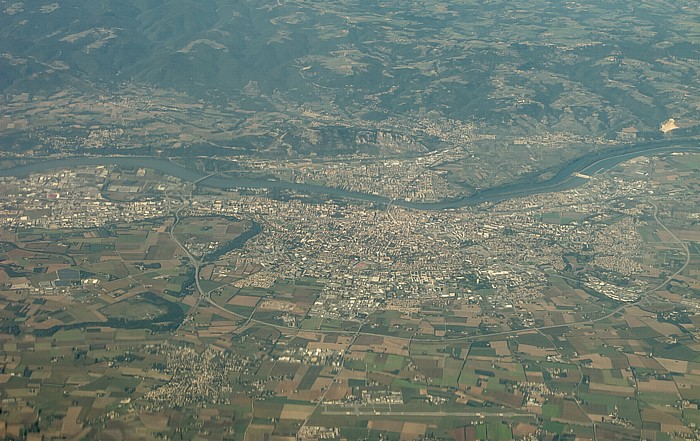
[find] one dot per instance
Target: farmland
(238, 316)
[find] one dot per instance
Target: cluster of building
(403, 179)
(318, 432)
(316, 356)
(70, 199)
(197, 377)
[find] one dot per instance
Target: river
(563, 179)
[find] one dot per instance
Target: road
(335, 377)
(435, 414)
(201, 295)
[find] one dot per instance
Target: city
(319, 301)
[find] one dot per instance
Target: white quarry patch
(14, 8)
(210, 43)
(46, 9)
(669, 125)
(101, 35)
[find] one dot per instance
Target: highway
(434, 414)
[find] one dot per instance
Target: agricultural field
(210, 321)
(349, 220)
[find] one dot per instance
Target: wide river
(564, 179)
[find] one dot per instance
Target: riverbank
(568, 176)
